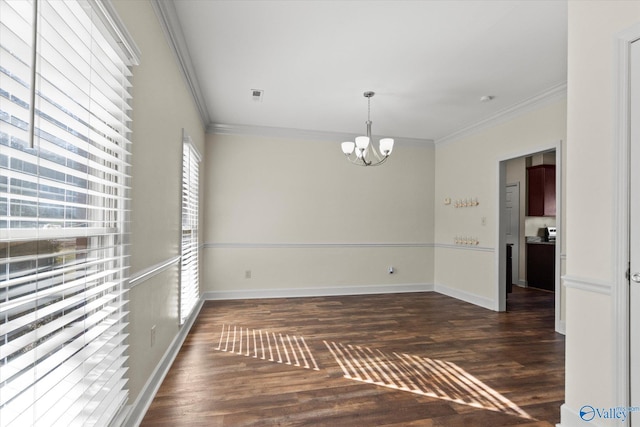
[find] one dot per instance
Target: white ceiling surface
(429, 62)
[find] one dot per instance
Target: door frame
(516, 261)
(500, 261)
(621, 220)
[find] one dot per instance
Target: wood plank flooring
(420, 359)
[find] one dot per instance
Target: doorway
(505, 232)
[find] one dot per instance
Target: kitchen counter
(535, 240)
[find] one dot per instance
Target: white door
(512, 221)
(634, 223)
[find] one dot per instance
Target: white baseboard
(136, 411)
(317, 292)
(570, 417)
(561, 327)
(351, 290)
(478, 300)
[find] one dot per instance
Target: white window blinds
(64, 183)
(189, 282)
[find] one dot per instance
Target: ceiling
(429, 62)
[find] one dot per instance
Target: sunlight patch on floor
(420, 375)
(278, 348)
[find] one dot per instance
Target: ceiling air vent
(256, 94)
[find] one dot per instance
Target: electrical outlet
(153, 335)
(247, 274)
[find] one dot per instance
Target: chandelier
(362, 152)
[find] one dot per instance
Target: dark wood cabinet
(541, 190)
(541, 266)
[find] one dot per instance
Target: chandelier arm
(357, 160)
(361, 162)
(378, 156)
(384, 159)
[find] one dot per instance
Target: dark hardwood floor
(420, 359)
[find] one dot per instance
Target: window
(64, 184)
(189, 287)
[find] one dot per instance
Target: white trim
(318, 245)
(620, 227)
(313, 245)
(168, 19)
(559, 325)
(147, 273)
(465, 296)
(186, 140)
(552, 94)
(588, 285)
(317, 292)
(136, 412)
(303, 134)
(465, 247)
(571, 418)
(547, 97)
(117, 29)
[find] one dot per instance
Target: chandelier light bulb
(348, 147)
(386, 146)
(362, 141)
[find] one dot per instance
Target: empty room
(347, 213)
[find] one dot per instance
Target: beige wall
(468, 167)
(298, 215)
(591, 327)
(162, 107)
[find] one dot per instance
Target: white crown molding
(291, 133)
(168, 19)
(275, 132)
(547, 97)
